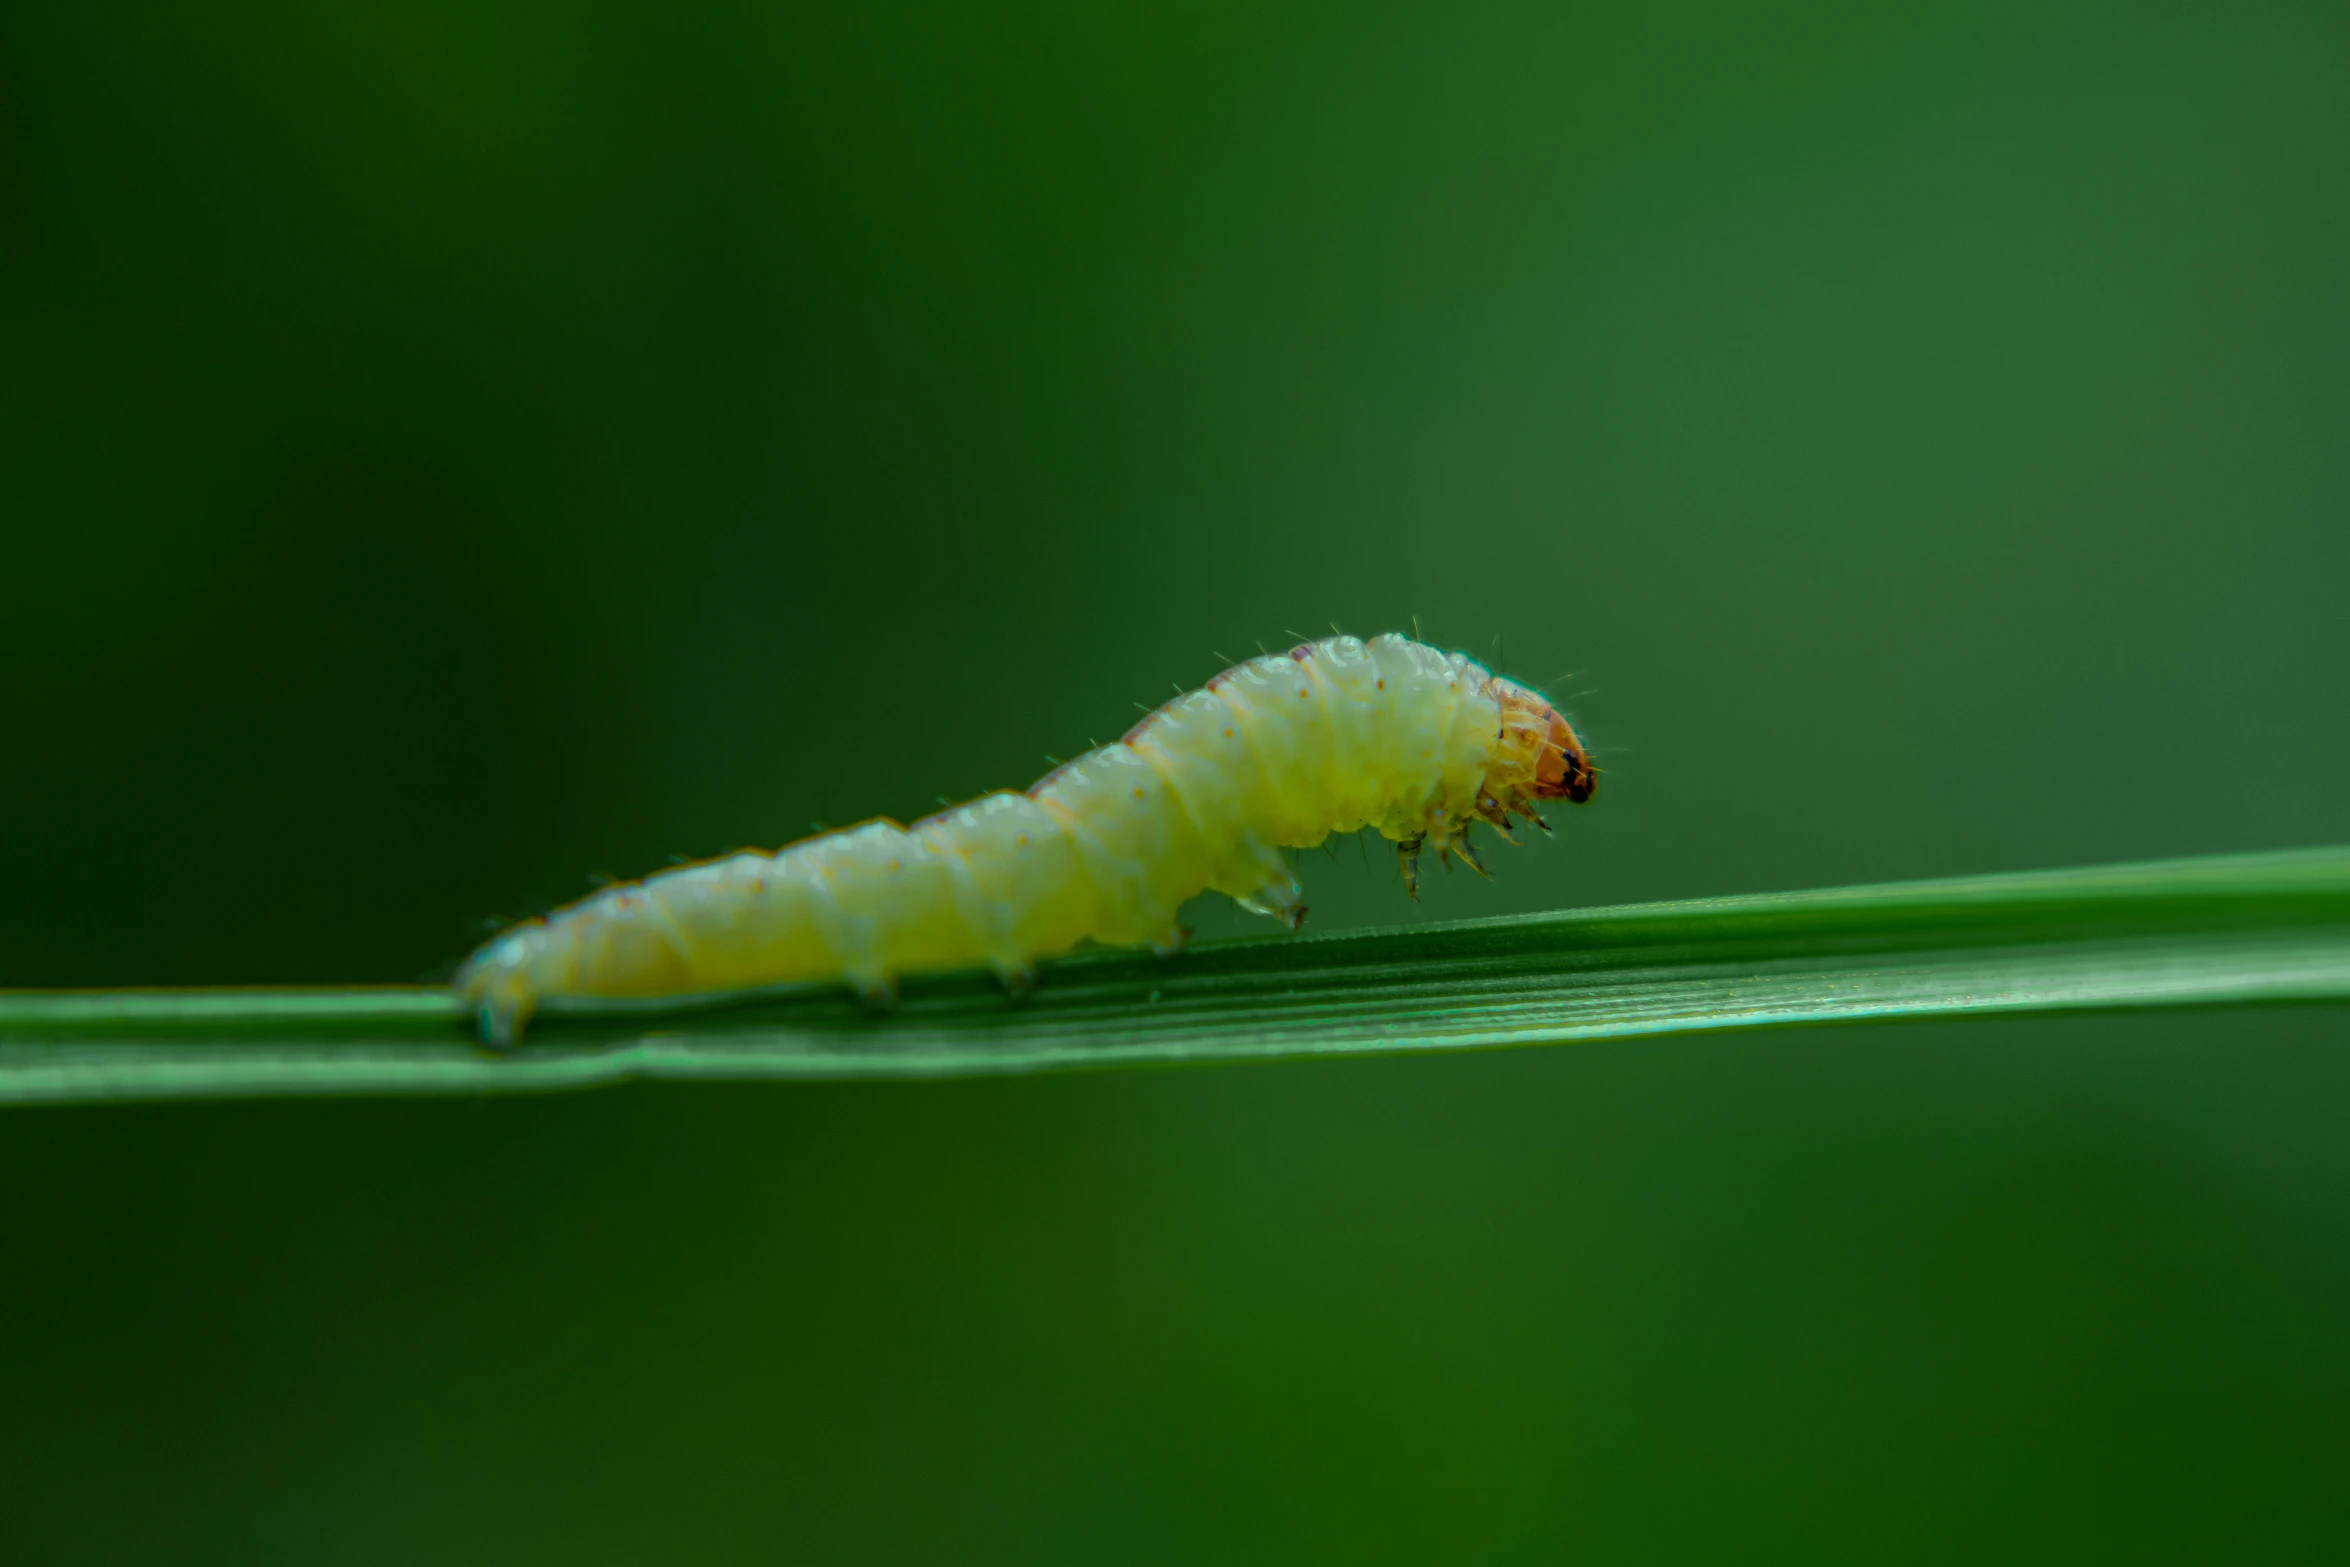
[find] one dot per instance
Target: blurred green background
(450, 448)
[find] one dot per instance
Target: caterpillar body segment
(1275, 753)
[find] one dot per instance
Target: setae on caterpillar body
(1277, 752)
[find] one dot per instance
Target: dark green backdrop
(450, 448)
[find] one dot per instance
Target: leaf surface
(2232, 929)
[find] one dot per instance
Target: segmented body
(1277, 752)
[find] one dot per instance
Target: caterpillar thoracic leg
(1277, 752)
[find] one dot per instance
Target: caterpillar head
(1537, 756)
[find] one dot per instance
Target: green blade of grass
(2244, 928)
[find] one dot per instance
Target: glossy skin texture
(1278, 752)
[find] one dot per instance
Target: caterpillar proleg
(1276, 752)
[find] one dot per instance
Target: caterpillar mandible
(1276, 752)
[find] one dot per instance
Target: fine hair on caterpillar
(1277, 752)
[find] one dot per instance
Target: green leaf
(2244, 928)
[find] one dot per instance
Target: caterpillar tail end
(498, 1021)
(494, 987)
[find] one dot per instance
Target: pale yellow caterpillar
(1278, 752)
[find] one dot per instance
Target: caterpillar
(1276, 752)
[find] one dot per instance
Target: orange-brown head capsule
(1543, 758)
(1563, 772)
